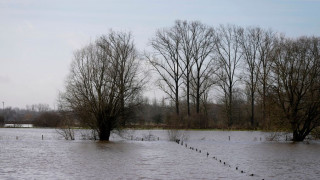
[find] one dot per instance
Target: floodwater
(24, 155)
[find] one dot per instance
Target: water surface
(24, 155)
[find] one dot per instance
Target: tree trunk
(104, 129)
(300, 134)
(104, 134)
(252, 108)
(264, 104)
(297, 136)
(230, 107)
(198, 93)
(188, 91)
(122, 118)
(177, 98)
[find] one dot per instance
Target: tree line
(209, 74)
(40, 115)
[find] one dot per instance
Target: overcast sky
(37, 38)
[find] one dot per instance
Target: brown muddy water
(24, 155)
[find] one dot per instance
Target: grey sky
(37, 38)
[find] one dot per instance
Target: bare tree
(185, 55)
(39, 107)
(124, 57)
(102, 81)
(228, 55)
(43, 107)
(202, 49)
(265, 55)
(296, 70)
(185, 49)
(66, 126)
(165, 61)
(196, 48)
(250, 41)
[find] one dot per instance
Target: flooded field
(24, 155)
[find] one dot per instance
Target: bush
(316, 133)
(175, 134)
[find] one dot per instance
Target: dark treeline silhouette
(40, 115)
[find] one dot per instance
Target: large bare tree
(265, 56)
(165, 61)
(250, 41)
(228, 56)
(203, 68)
(185, 55)
(296, 72)
(184, 49)
(125, 59)
(103, 81)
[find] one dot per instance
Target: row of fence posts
(158, 138)
(254, 138)
(143, 139)
(178, 141)
(17, 137)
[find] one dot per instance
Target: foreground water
(24, 155)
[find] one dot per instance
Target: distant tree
(104, 81)
(296, 75)
(47, 119)
(1, 121)
(43, 107)
(157, 118)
